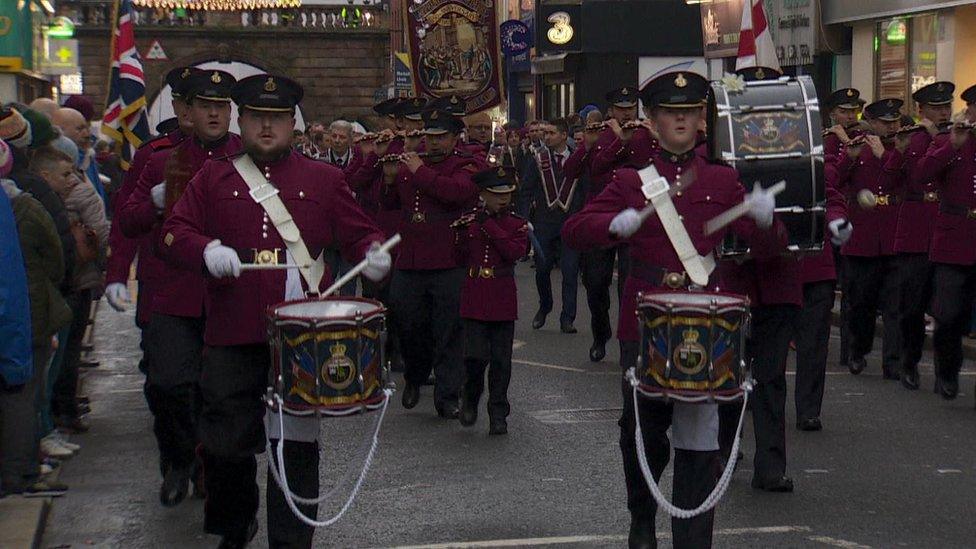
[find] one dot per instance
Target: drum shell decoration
(328, 364)
(770, 131)
(692, 345)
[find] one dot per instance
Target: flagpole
(117, 145)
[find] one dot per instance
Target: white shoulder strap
(266, 194)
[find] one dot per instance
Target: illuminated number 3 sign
(561, 31)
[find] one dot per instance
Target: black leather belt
(915, 196)
(659, 276)
(268, 256)
(957, 209)
(490, 272)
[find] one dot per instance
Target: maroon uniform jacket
(874, 228)
(489, 250)
(366, 180)
(217, 205)
(954, 234)
(149, 269)
(715, 190)
(611, 153)
(820, 267)
(920, 205)
(180, 292)
(429, 201)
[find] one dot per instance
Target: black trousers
(873, 285)
(488, 346)
(915, 274)
(553, 247)
(64, 392)
(812, 335)
(174, 347)
(232, 382)
(695, 473)
(840, 261)
(427, 311)
(597, 269)
(391, 351)
(955, 289)
(766, 349)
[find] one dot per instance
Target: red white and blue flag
(756, 48)
(126, 120)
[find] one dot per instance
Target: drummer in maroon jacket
(674, 104)
(873, 194)
(490, 242)
(175, 336)
(916, 218)
(215, 227)
(952, 163)
(431, 193)
(843, 107)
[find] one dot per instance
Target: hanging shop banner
(454, 51)
(721, 21)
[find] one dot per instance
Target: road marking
(816, 471)
(517, 344)
(948, 471)
(550, 366)
(562, 540)
(854, 394)
(834, 542)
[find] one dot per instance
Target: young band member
(174, 339)
(674, 105)
(431, 193)
(873, 195)
(215, 227)
(490, 241)
(552, 183)
(916, 218)
(952, 164)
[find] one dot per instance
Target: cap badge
(454, 100)
(270, 86)
(891, 103)
(850, 92)
(760, 74)
(680, 80)
(433, 115)
(624, 91)
(185, 73)
(215, 78)
(940, 87)
(501, 172)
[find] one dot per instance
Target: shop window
(905, 56)
(560, 100)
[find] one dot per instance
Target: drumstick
(269, 266)
(719, 222)
(354, 272)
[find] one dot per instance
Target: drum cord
(723, 482)
(281, 477)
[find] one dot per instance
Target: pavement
(892, 468)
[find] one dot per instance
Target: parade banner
(454, 51)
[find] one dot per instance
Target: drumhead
(321, 309)
(693, 300)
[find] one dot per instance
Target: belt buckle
(883, 200)
(675, 281)
(931, 196)
(486, 272)
(263, 192)
(971, 213)
(418, 217)
(265, 257)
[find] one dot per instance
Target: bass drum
(770, 131)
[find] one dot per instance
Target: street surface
(890, 469)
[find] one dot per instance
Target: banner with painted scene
(454, 51)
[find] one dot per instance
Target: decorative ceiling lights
(218, 5)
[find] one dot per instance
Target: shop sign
(794, 27)
(402, 76)
(516, 37)
(60, 57)
(559, 28)
(71, 84)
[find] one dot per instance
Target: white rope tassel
(723, 482)
(281, 477)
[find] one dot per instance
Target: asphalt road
(890, 469)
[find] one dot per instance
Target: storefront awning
(549, 64)
(846, 11)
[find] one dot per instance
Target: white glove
(159, 195)
(378, 263)
(841, 229)
(117, 295)
(221, 261)
(625, 223)
(762, 206)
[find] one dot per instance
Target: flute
(847, 129)
(371, 136)
(597, 126)
(941, 127)
(398, 157)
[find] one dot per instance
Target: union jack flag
(125, 121)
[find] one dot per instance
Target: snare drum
(770, 131)
(692, 345)
(327, 355)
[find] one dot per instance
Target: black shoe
(431, 380)
(909, 378)
(781, 484)
(857, 365)
(175, 486)
(71, 425)
(567, 328)
(809, 424)
(642, 534)
(411, 395)
(449, 411)
(539, 320)
(469, 413)
(498, 427)
(948, 388)
(241, 540)
(597, 351)
(891, 375)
